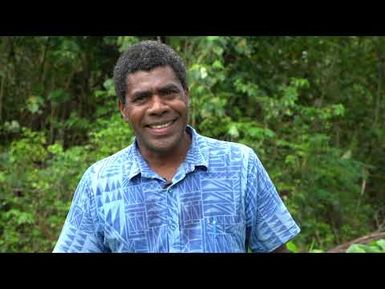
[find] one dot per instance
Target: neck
(166, 163)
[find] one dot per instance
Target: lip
(164, 131)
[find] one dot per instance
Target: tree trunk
(380, 73)
(1, 96)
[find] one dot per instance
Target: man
(172, 190)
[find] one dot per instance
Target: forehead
(156, 77)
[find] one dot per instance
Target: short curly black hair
(146, 55)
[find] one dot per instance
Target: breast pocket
(224, 234)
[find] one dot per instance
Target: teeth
(161, 125)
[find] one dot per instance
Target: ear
(122, 108)
(187, 96)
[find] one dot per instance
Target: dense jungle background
(311, 107)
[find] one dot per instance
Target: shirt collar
(197, 155)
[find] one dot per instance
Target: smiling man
(155, 105)
(172, 190)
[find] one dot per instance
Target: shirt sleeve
(269, 223)
(79, 233)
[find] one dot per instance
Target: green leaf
(34, 103)
(292, 247)
(233, 131)
(316, 251)
(356, 248)
(381, 244)
(55, 149)
(203, 72)
(12, 126)
(347, 154)
(59, 96)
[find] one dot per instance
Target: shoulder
(218, 147)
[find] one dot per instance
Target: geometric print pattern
(220, 200)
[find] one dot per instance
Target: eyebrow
(141, 93)
(170, 86)
(167, 87)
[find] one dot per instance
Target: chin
(163, 147)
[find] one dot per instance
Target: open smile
(161, 128)
(161, 124)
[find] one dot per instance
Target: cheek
(185, 111)
(134, 117)
(181, 107)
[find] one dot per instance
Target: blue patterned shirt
(221, 199)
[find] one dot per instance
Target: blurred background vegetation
(311, 107)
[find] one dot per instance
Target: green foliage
(36, 186)
(373, 247)
(113, 136)
(35, 104)
(292, 247)
(123, 42)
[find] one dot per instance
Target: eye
(169, 92)
(140, 98)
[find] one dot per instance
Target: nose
(157, 106)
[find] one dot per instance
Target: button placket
(174, 223)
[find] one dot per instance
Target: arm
(269, 223)
(79, 233)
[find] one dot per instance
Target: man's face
(156, 108)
